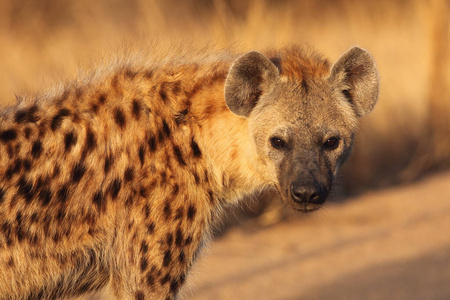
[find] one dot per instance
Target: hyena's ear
(356, 76)
(250, 76)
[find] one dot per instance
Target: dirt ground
(390, 244)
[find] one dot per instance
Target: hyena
(116, 180)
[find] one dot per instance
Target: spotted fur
(117, 179)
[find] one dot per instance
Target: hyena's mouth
(308, 207)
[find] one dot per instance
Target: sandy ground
(390, 244)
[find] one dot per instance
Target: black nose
(314, 194)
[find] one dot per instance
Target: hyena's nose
(304, 194)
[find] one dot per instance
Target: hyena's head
(302, 116)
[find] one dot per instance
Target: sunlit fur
(117, 179)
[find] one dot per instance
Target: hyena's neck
(226, 141)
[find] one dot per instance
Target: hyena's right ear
(356, 76)
(250, 76)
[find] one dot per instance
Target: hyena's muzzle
(306, 184)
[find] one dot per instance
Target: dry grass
(46, 40)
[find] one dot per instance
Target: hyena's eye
(331, 143)
(278, 143)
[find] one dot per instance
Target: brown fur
(118, 179)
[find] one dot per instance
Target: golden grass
(44, 41)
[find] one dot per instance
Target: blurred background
(403, 142)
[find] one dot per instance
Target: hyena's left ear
(250, 76)
(356, 76)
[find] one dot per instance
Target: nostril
(295, 193)
(320, 195)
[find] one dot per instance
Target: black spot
(143, 192)
(61, 215)
(36, 149)
(8, 135)
(27, 132)
(41, 181)
(119, 117)
(58, 118)
(129, 174)
(150, 279)
(188, 240)
(211, 196)
(130, 73)
(174, 285)
(191, 212)
(182, 257)
(19, 218)
(27, 115)
(27, 165)
(25, 188)
(196, 178)
(56, 171)
(169, 239)
(163, 176)
(20, 234)
(45, 195)
(160, 136)
(98, 200)
(179, 213)
(144, 264)
(70, 139)
(139, 295)
(90, 143)
(152, 144)
(167, 258)
(102, 98)
(147, 211)
(114, 187)
(166, 128)
(163, 95)
(2, 195)
(195, 149)
(109, 159)
(142, 155)
(148, 74)
(136, 109)
(179, 238)
(78, 172)
(151, 228)
(34, 218)
(176, 189)
(167, 210)
(144, 247)
(178, 155)
(182, 278)
(94, 108)
(14, 168)
(10, 151)
(63, 194)
(165, 279)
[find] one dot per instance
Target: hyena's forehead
(307, 110)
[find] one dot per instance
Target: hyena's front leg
(156, 261)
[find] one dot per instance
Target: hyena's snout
(315, 193)
(308, 190)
